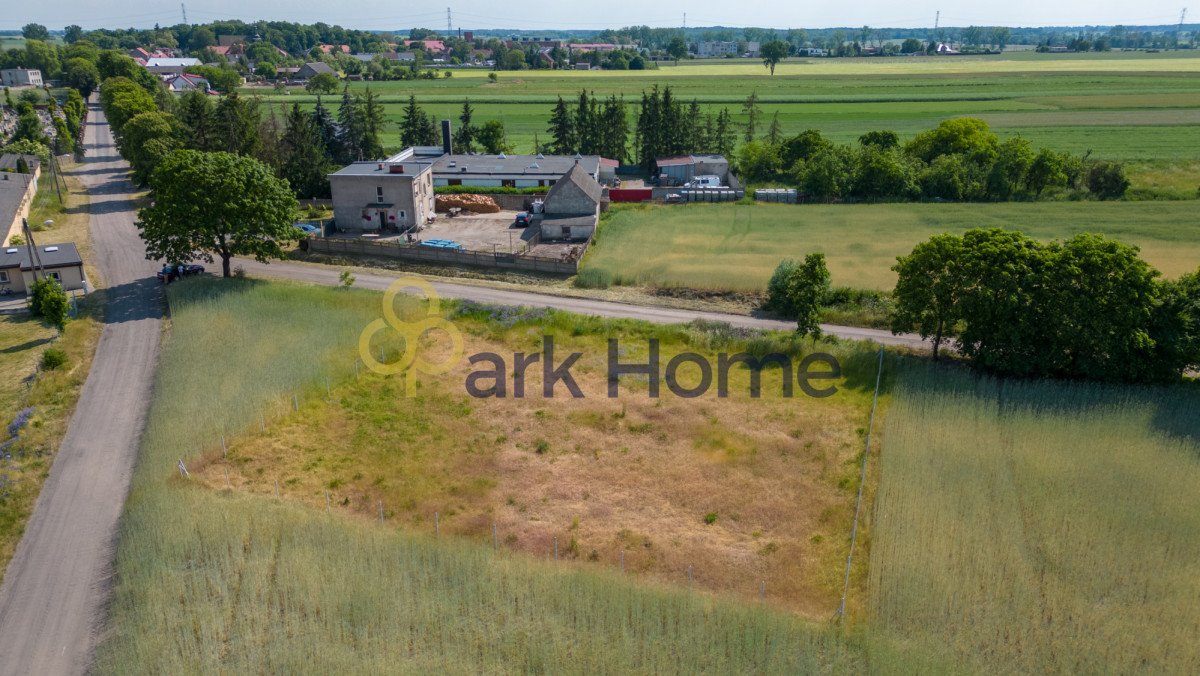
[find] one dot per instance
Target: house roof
(9, 161)
(172, 63)
(189, 79)
(318, 67)
(12, 194)
(684, 160)
(411, 169)
(514, 166)
(51, 255)
(345, 49)
(430, 45)
(578, 177)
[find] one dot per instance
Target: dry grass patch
(744, 492)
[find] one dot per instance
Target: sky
(599, 14)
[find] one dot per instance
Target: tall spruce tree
(562, 130)
(195, 111)
(724, 136)
(372, 118)
(614, 129)
(751, 110)
(303, 160)
(237, 121)
(350, 129)
(464, 136)
(417, 128)
(328, 129)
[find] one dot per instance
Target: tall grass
(1040, 527)
(217, 582)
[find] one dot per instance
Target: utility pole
(54, 176)
(685, 20)
(35, 261)
(183, 9)
(449, 23)
(1179, 29)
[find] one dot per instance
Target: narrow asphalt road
(317, 274)
(52, 599)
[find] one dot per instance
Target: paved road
(53, 594)
(316, 274)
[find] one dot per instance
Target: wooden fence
(428, 254)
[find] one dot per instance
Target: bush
(1107, 180)
(777, 298)
(49, 301)
(53, 358)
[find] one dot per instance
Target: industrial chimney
(447, 147)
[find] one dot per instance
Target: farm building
(16, 197)
(680, 170)
(21, 77)
(310, 70)
(57, 261)
(171, 66)
(389, 195)
(572, 207)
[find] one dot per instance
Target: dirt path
(56, 585)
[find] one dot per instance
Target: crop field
(1118, 105)
(1045, 527)
(251, 579)
(1042, 526)
(737, 246)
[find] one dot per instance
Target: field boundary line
(862, 482)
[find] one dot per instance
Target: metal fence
(416, 252)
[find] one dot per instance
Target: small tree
(799, 289)
(772, 53)
(1107, 180)
(216, 203)
(321, 83)
(49, 301)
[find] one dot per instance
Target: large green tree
(81, 74)
(772, 53)
(237, 121)
(417, 128)
(216, 204)
(146, 140)
(928, 285)
(464, 136)
(198, 119)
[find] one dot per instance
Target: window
(454, 181)
(379, 193)
(55, 276)
(541, 183)
(3, 277)
(401, 213)
(508, 183)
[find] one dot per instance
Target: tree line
(1088, 307)
(959, 160)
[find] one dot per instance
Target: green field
(212, 581)
(1119, 105)
(1040, 527)
(736, 246)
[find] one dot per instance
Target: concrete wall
(428, 254)
(411, 198)
(71, 278)
(14, 227)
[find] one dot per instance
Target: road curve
(52, 599)
(328, 275)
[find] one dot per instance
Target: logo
(410, 360)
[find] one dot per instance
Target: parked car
(170, 273)
(523, 219)
(308, 228)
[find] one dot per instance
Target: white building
(21, 77)
(716, 49)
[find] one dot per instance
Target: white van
(709, 181)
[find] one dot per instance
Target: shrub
(49, 301)
(1107, 180)
(53, 358)
(710, 518)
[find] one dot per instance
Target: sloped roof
(579, 178)
(319, 67)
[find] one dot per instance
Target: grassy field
(25, 465)
(1119, 105)
(1045, 527)
(242, 581)
(736, 247)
